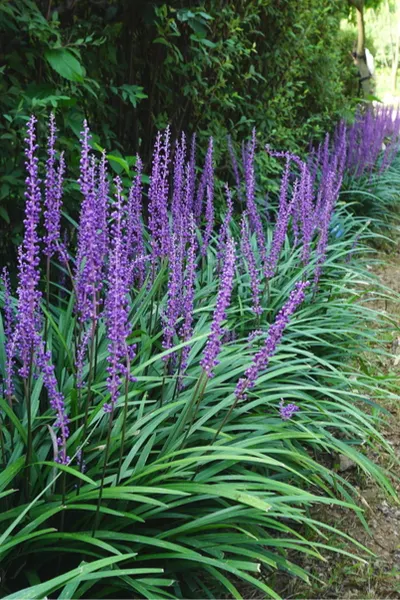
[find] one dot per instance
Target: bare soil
(341, 577)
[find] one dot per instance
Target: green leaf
(65, 64)
(38, 591)
(10, 472)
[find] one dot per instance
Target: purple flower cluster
(249, 258)
(179, 178)
(235, 168)
(9, 339)
(287, 411)
(57, 404)
(282, 222)
(120, 354)
(206, 180)
(115, 248)
(275, 333)
(174, 299)
(158, 196)
(53, 194)
(28, 324)
(91, 235)
(189, 284)
(213, 345)
(134, 231)
(250, 181)
(224, 229)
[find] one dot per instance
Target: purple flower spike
(53, 194)
(179, 171)
(213, 345)
(275, 333)
(252, 266)
(287, 411)
(224, 230)
(329, 198)
(174, 295)
(209, 219)
(207, 178)
(29, 259)
(190, 182)
(9, 338)
(102, 208)
(57, 404)
(158, 196)
(135, 240)
(117, 303)
(89, 259)
(235, 168)
(189, 286)
(281, 225)
(307, 212)
(92, 233)
(253, 214)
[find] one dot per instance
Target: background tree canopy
(216, 67)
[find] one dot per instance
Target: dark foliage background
(131, 67)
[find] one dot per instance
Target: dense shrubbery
(171, 384)
(131, 68)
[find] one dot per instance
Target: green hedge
(215, 66)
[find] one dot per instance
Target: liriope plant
(171, 384)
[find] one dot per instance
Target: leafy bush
(133, 67)
(200, 470)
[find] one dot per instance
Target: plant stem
(123, 433)
(201, 387)
(88, 397)
(27, 389)
(107, 450)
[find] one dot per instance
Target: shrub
(131, 68)
(171, 385)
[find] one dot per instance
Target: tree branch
(358, 4)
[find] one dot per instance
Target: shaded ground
(341, 577)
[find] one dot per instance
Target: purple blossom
(275, 333)
(80, 358)
(281, 224)
(209, 219)
(224, 229)
(235, 168)
(329, 198)
(9, 337)
(53, 193)
(28, 261)
(307, 212)
(117, 303)
(189, 285)
(353, 247)
(207, 178)
(249, 258)
(57, 403)
(191, 177)
(102, 209)
(287, 411)
(296, 212)
(158, 196)
(91, 239)
(254, 216)
(179, 172)
(134, 235)
(174, 299)
(213, 345)
(254, 335)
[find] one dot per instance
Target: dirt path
(341, 577)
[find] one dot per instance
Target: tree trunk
(395, 63)
(360, 58)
